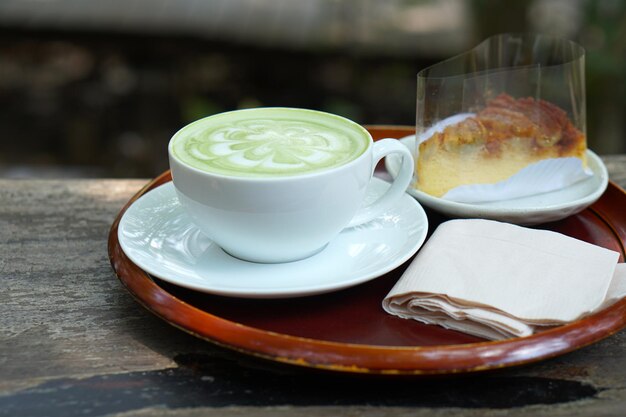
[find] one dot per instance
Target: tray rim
(360, 358)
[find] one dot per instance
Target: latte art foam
(269, 142)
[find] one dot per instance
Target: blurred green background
(96, 89)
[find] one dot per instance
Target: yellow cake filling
(496, 143)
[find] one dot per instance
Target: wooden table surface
(74, 343)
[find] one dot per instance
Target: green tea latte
(267, 142)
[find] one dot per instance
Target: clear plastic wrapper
(503, 120)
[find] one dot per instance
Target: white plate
(536, 209)
(158, 236)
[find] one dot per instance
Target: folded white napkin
(497, 280)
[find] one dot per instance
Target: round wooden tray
(347, 331)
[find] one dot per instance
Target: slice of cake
(495, 143)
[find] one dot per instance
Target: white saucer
(536, 209)
(158, 236)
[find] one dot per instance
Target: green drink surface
(269, 142)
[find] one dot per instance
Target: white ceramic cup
(287, 218)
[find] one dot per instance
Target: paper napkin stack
(497, 280)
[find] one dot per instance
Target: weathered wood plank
(63, 310)
(616, 165)
(72, 335)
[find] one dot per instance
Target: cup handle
(399, 185)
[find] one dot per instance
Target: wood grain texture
(68, 327)
(63, 312)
